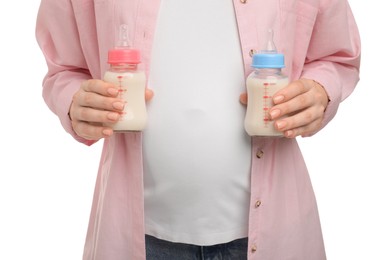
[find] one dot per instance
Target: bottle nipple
(270, 45)
(123, 41)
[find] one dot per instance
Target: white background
(47, 178)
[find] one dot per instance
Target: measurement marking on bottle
(121, 92)
(266, 102)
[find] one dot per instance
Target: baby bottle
(266, 79)
(125, 73)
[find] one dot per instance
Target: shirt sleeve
(333, 57)
(57, 35)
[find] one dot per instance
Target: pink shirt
(320, 40)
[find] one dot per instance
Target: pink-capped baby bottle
(125, 72)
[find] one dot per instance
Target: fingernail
(280, 125)
(278, 99)
(118, 105)
(289, 134)
(274, 113)
(112, 91)
(113, 116)
(107, 132)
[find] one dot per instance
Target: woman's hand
(95, 103)
(303, 103)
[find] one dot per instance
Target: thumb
(148, 94)
(244, 98)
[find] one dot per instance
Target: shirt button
(253, 249)
(243, 1)
(259, 153)
(257, 204)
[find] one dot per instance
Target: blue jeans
(157, 249)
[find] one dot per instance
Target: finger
(97, 101)
(91, 131)
(91, 115)
(100, 87)
(299, 103)
(303, 131)
(292, 90)
(309, 117)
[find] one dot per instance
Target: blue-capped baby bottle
(264, 81)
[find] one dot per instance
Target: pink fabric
(320, 41)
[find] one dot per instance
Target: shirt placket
(245, 16)
(259, 148)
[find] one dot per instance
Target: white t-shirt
(196, 152)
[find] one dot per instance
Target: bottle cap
(121, 56)
(269, 56)
(123, 53)
(269, 60)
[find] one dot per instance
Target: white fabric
(199, 104)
